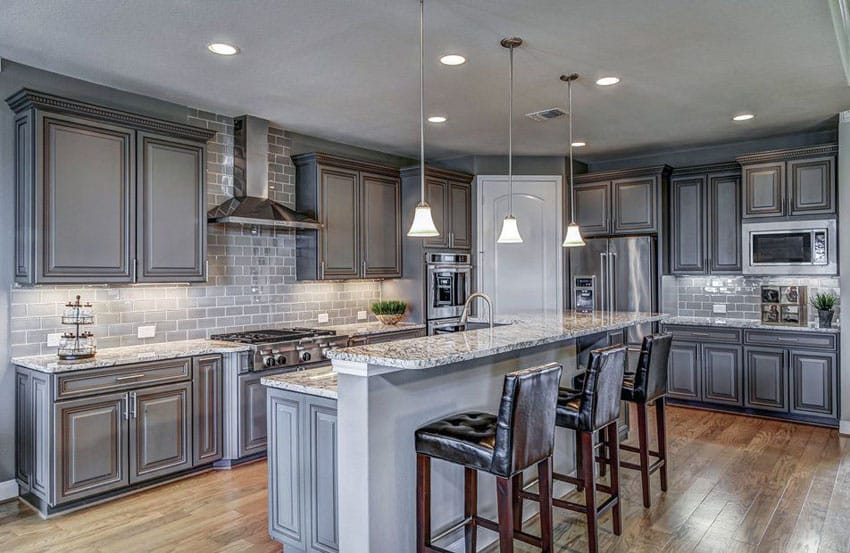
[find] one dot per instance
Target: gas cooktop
(289, 348)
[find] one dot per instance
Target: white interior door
(524, 277)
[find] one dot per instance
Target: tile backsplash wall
(741, 295)
(251, 276)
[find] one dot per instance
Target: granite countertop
(744, 323)
(320, 382)
(372, 327)
(525, 332)
(111, 357)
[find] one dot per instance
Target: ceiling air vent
(546, 114)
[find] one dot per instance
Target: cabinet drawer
(704, 334)
(99, 381)
(790, 339)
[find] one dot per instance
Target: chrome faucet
(464, 315)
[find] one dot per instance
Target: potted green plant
(824, 302)
(389, 312)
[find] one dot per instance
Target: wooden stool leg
(504, 495)
(603, 453)
(516, 483)
(423, 503)
(544, 474)
(643, 443)
(614, 448)
(661, 425)
(579, 470)
(589, 489)
(470, 509)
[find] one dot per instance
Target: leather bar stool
(592, 410)
(521, 435)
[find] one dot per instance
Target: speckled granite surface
(320, 382)
(373, 327)
(743, 323)
(526, 332)
(111, 357)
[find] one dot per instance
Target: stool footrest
(636, 466)
(518, 534)
(634, 449)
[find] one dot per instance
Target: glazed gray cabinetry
(160, 431)
(207, 409)
(705, 372)
(89, 182)
(252, 414)
(790, 183)
(303, 471)
(449, 193)
(359, 206)
(767, 386)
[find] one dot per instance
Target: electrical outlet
(147, 331)
(362, 316)
(719, 308)
(323, 317)
(53, 339)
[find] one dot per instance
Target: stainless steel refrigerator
(624, 270)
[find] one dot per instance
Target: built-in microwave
(790, 248)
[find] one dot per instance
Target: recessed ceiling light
(607, 81)
(437, 119)
(453, 59)
(743, 117)
(223, 49)
(579, 144)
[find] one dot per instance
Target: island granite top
(744, 323)
(111, 357)
(366, 328)
(526, 331)
(320, 382)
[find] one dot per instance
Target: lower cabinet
(303, 471)
(721, 368)
(160, 431)
(252, 414)
(815, 383)
(683, 379)
(766, 379)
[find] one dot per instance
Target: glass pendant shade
(573, 238)
(423, 223)
(510, 232)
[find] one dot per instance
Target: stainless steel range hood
(250, 204)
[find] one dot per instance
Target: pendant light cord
(572, 187)
(422, 98)
(511, 135)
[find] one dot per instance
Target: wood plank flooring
(737, 484)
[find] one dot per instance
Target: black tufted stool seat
(521, 435)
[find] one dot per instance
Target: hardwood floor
(737, 484)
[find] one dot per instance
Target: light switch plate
(147, 331)
(719, 308)
(53, 339)
(362, 316)
(323, 317)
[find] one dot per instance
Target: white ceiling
(347, 70)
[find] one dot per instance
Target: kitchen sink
(470, 325)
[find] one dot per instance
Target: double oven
(448, 280)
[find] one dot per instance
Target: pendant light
(573, 238)
(423, 223)
(510, 232)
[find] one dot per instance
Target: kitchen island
(384, 392)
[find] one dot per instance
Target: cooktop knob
(306, 356)
(281, 359)
(268, 361)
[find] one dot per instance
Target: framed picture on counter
(770, 313)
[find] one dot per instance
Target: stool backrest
(600, 402)
(651, 372)
(525, 428)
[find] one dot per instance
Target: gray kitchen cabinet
(23, 439)
(79, 215)
(722, 375)
(796, 182)
(207, 409)
(593, 208)
(687, 225)
(172, 210)
(436, 195)
(449, 193)
(683, 379)
(724, 223)
(91, 444)
(766, 379)
(358, 205)
(160, 431)
(460, 215)
(323, 484)
(633, 205)
(814, 383)
(252, 414)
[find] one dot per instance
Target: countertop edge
(746, 324)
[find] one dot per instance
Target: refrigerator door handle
(603, 282)
(612, 282)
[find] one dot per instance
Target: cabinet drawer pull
(133, 404)
(124, 408)
(784, 339)
(129, 377)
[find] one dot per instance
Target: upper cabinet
(789, 183)
(449, 193)
(620, 202)
(705, 220)
(359, 206)
(106, 196)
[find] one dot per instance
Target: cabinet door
(23, 429)
(160, 431)
(460, 215)
(764, 190)
(91, 446)
(724, 216)
(286, 485)
(721, 371)
(340, 238)
(323, 487)
(811, 186)
(172, 214)
(633, 205)
(684, 371)
(86, 231)
(687, 251)
(437, 196)
(252, 415)
(814, 383)
(593, 205)
(766, 383)
(380, 200)
(207, 418)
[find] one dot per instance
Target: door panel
(252, 411)
(764, 190)
(814, 383)
(688, 226)
(381, 217)
(460, 200)
(766, 383)
(160, 430)
(724, 215)
(339, 189)
(722, 378)
(633, 206)
(286, 493)
(322, 420)
(593, 205)
(812, 186)
(437, 196)
(207, 416)
(684, 370)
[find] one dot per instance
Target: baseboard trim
(8, 490)
(844, 428)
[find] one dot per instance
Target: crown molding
(789, 153)
(654, 170)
